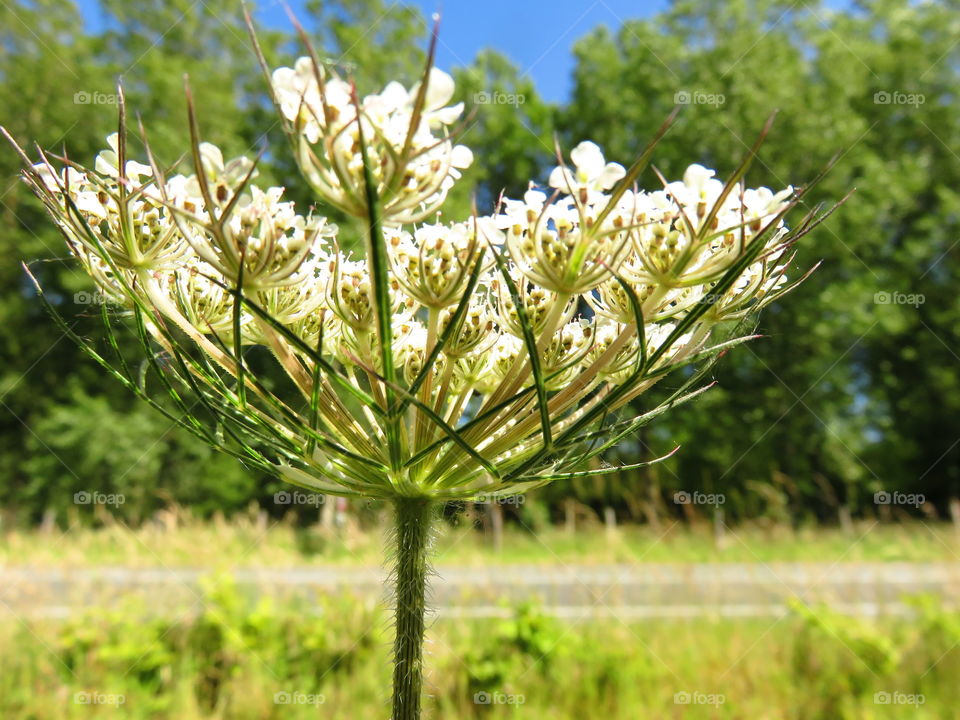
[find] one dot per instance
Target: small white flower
(440, 89)
(108, 162)
(591, 172)
(414, 167)
(761, 205)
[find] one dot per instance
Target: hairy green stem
(413, 516)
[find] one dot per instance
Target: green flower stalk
(451, 360)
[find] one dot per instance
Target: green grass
(231, 660)
(245, 542)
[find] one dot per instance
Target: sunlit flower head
(411, 155)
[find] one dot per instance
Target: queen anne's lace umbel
(512, 336)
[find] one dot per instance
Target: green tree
(842, 388)
(88, 435)
(509, 127)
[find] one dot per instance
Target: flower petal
(610, 175)
(588, 158)
(440, 89)
(461, 156)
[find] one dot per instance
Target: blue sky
(537, 35)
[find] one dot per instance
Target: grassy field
(244, 541)
(243, 662)
(236, 658)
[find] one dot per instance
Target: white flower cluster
(183, 243)
(411, 156)
(577, 289)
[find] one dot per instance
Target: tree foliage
(854, 388)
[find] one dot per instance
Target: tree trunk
(496, 525)
(327, 512)
(610, 520)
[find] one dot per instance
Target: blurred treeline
(846, 395)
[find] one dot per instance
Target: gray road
(574, 592)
